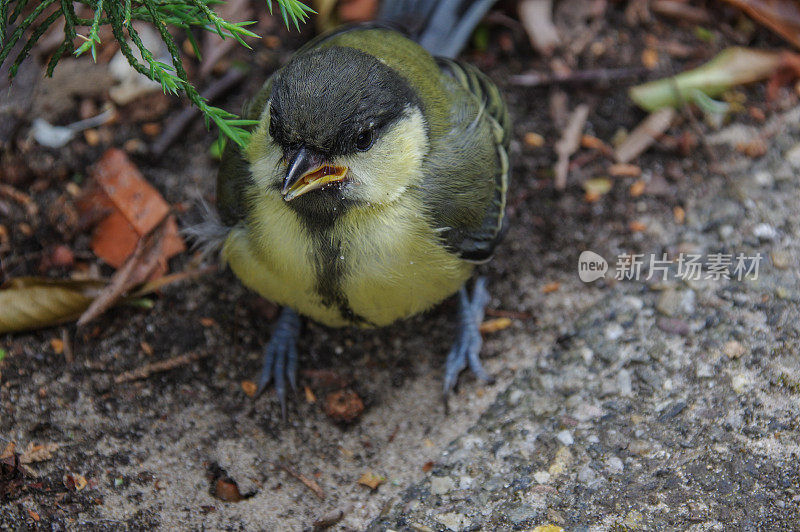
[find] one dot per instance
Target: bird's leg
(280, 356)
(467, 347)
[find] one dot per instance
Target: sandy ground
(618, 405)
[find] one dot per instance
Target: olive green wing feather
(467, 168)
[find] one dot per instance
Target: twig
(309, 483)
(138, 267)
(158, 367)
(176, 124)
(593, 75)
(20, 197)
(65, 339)
(513, 314)
(569, 143)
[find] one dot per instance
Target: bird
(372, 184)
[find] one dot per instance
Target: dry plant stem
(569, 143)
(602, 76)
(136, 269)
(158, 367)
(309, 483)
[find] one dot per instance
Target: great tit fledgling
(374, 181)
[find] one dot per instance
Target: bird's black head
(348, 129)
(336, 101)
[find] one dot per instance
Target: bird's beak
(308, 171)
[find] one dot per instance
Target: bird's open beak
(308, 171)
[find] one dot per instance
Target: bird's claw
(466, 349)
(280, 357)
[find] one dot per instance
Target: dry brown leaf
(679, 214)
(343, 406)
(637, 226)
(781, 16)
(57, 345)
(551, 287)
(38, 453)
(227, 490)
(80, 482)
(138, 267)
(130, 207)
(8, 452)
(310, 397)
(371, 480)
(624, 170)
(533, 140)
(492, 326)
(31, 302)
(637, 188)
(249, 388)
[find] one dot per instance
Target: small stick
(594, 75)
(65, 339)
(158, 367)
(309, 483)
(513, 314)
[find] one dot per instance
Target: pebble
(586, 475)
(614, 465)
(441, 485)
(565, 437)
(519, 514)
(674, 303)
(764, 178)
(704, 370)
(765, 232)
(740, 383)
(793, 156)
(624, 383)
(453, 520)
(562, 460)
(734, 349)
(585, 412)
(542, 477)
(780, 259)
(614, 331)
(515, 396)
(725, 231)
(633, 520)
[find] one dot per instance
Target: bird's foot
(280, 357)
(467, 347)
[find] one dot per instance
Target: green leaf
(3, 354)
(731, 67)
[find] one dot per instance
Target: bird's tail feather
(441, 26)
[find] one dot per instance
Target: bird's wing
(466, 172)
(233, 176)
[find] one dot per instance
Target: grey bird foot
(280, 357)
(466, 349)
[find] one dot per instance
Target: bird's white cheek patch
(383, 173)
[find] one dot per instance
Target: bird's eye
(365, 139)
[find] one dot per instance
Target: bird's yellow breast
(392, 264)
